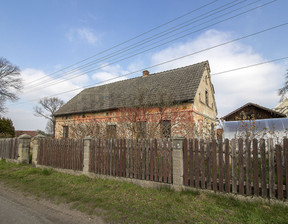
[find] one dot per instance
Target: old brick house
(175, 102)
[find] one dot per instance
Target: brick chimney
(145, 73)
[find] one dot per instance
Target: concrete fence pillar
(36, 149)
(86, 162)
(178, 143)
(24, 148)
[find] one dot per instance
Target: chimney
(145, 73)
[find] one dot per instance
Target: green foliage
(40, 132)
(7, 129)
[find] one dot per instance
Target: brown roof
(273, 112)
(31, 133)
(177, 85)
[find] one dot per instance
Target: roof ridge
(153, 74)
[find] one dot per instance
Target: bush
(7, 129)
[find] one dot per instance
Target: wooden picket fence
(9, 148)
(139, 159)
(62, 153)
(239, 166)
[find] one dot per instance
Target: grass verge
(121, 202)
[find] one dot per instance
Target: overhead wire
(147, 41)
(119, 51)
(133, 38)
(121, 59)
(172, 60)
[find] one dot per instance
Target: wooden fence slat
(143, 157)
(286, 163)
(165, 158)
(241, 166)
(115, 157)
(234, 167)
(121, 157)
(191, 161)
(214, 159)
(185, 161)
(271, 168)
(130, 158)
(279, 172)
(227, 167)
(196, 156)
(263, 168)
(248, 166)
(160, 161)
(170, 168)
(151, 158)
(255, 168)
(147, 148)
(124, 157)
(156, 161)
(220, 159)
(208, 162)
(202, 163)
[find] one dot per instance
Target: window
(166, 129)
(206, 98)
(141, 129)
(111, 131)
(65, 131)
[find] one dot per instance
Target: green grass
(121, 202)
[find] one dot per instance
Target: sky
(65, 46)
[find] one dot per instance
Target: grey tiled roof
(177, 85)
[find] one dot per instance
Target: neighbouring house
(252, 111)
(282, 107)
(165, 104)
(254, 121)
(31, 133)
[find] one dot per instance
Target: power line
(133, 38)
(175, 59)
(121, 59)
(249, 66)
(123, 50)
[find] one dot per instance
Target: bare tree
(49, 128)
(10, 82)
(282, 91)
(47, 109)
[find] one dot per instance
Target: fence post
(23, 148)
(178, 163)
(36, 149)
(86, 162)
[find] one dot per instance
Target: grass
(121, 202)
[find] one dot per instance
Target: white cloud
(110, 73)
(84, 34)
(257, 84)
(22, 113)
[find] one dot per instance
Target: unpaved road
(19, 209)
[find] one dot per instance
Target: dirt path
(20, 209)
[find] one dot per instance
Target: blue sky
(43, 37)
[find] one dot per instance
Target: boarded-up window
(206, 98)
(166, 129)
(65, 131)
(111, 131)
(141, 129)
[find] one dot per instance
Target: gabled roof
(282, 107)
(272, 112)
(177, 85)
(31, 133)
